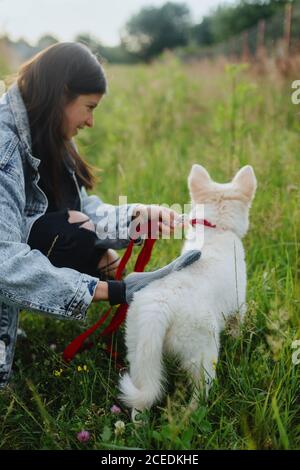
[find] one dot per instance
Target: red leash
(202, 222)
(77, 344)
(145, 254)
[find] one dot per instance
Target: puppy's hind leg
(201, 366)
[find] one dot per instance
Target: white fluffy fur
(185, 312)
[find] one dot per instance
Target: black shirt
(70, 196)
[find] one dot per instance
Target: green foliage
(230, 20)
(202, 33)
(46, 41)
(153, 29)
(155, 123)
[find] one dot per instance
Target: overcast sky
(64, 19)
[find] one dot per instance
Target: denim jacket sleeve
(27, 278)
(112, 223)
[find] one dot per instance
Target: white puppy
(185, 312)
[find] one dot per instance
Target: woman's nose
(90, 121)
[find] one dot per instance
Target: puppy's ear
(198, 180)
(245, 181)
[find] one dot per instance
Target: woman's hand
(163, 221)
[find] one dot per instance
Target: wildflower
(83, 436)
(115, 410)
(52, 347)
(119, 428)
(82, 369)
(57, 373)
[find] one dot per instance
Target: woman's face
(79, 114)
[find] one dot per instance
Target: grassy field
(154, 124)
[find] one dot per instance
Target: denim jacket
(28, 280)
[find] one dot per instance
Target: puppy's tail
(143, 386)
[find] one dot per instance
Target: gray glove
(137, 281)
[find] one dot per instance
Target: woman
(55, 240)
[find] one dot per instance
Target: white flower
(119, 428)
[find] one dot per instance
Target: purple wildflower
(83, 436)
(115, 410)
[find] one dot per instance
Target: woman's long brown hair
(51, 79)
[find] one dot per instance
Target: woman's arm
(101, 291)
(27, 278)
(115, 225)
(111, 222)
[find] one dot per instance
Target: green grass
(155, 123)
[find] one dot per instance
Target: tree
(152, 30)
(230, 20)
(114, 55)
(88, 40)
(202, 33)
(46, 41)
